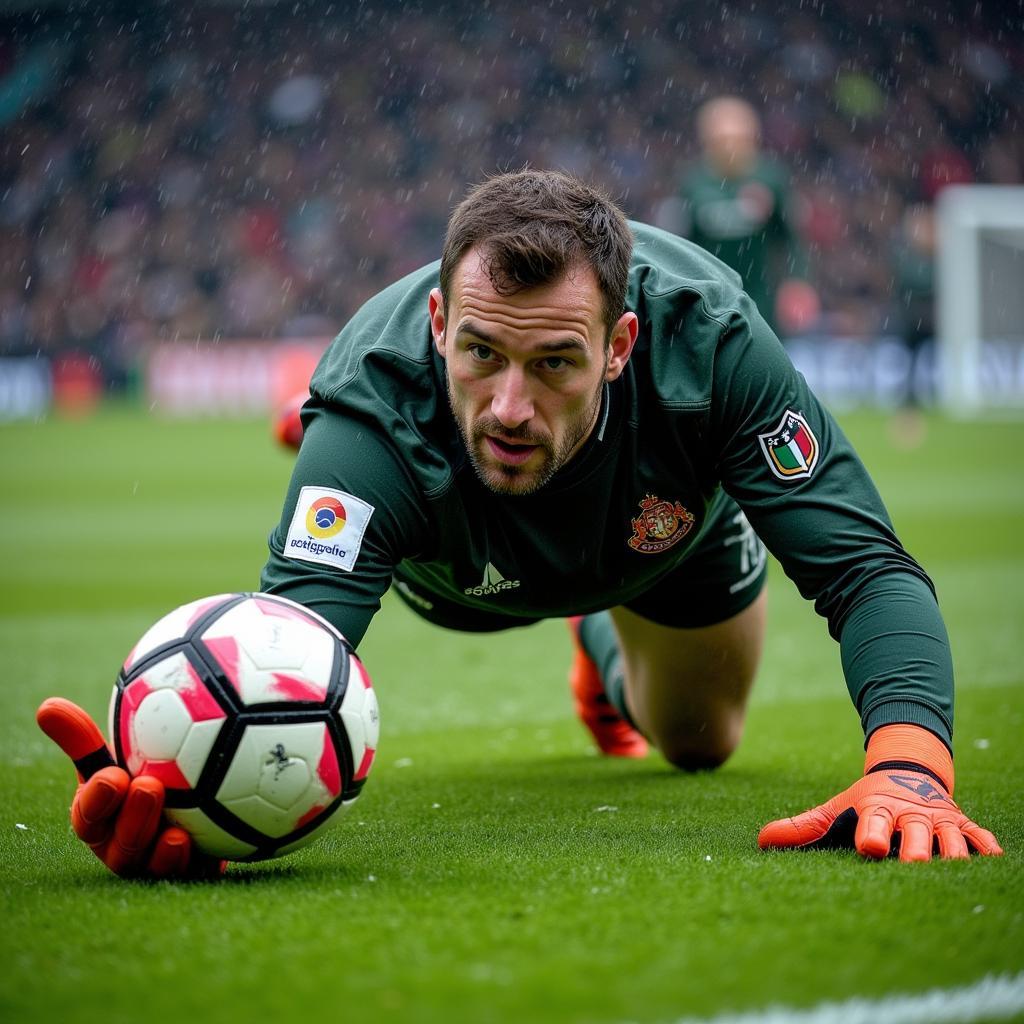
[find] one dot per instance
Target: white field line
(992, 998)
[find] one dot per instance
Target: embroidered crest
(659, 525)
(791, 448)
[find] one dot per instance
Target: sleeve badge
(791, 448)
(327, 527)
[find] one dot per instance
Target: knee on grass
(699, 750)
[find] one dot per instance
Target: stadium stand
(218, 170)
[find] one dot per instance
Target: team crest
(659, 525)
(791, 448)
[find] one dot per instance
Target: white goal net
(980, 297)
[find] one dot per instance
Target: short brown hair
(533, 226)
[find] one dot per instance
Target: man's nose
(512, 403)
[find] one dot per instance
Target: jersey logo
(791, 448)
(659, 525)
(327, 527)
(492, 583)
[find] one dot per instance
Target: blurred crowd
(222, 170)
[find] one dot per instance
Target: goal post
(980, 297)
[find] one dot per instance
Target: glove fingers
(981, 839)
(171, 854)
(96, 803)
(952, 845)
(136, 826)
(874, 832)
(916, 843)
(70, 727)
(799, 831)
(175, 856)
(882, 807)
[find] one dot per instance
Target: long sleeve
(809, 497)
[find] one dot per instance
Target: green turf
(494, 870)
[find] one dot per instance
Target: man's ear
(435, 306)
(620, 346)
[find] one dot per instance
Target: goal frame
(965, 212)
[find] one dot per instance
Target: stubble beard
(517, 481)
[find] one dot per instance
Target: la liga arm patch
(327, 527)
(791, 449)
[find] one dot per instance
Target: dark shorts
(723, 574)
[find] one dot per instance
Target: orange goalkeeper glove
(119, 817)
(288, 421)
(906, 790)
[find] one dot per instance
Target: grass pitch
(494, 869)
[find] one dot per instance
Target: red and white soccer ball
(256, 715)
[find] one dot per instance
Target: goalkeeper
(569, 416)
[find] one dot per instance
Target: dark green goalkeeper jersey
(383, 486)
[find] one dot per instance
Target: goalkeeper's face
(525, 371)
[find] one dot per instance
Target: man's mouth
(510, 453)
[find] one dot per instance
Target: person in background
(913, 290)
(736, 203)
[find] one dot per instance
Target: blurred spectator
(913, 262)
(737, 204)
(219, 169)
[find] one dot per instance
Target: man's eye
(481, 353)
(555, 363)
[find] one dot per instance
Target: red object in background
(292, 369)
(77, 384)
(797, 307)
(287, 423)
(942, 166)
(91, 272)
(229, 378)
(293, 365)
(261, 231)
(822, 219)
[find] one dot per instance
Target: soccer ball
(256, 715)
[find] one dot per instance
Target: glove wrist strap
(905, 766)
(910, 748)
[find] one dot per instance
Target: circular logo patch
(325, 518)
